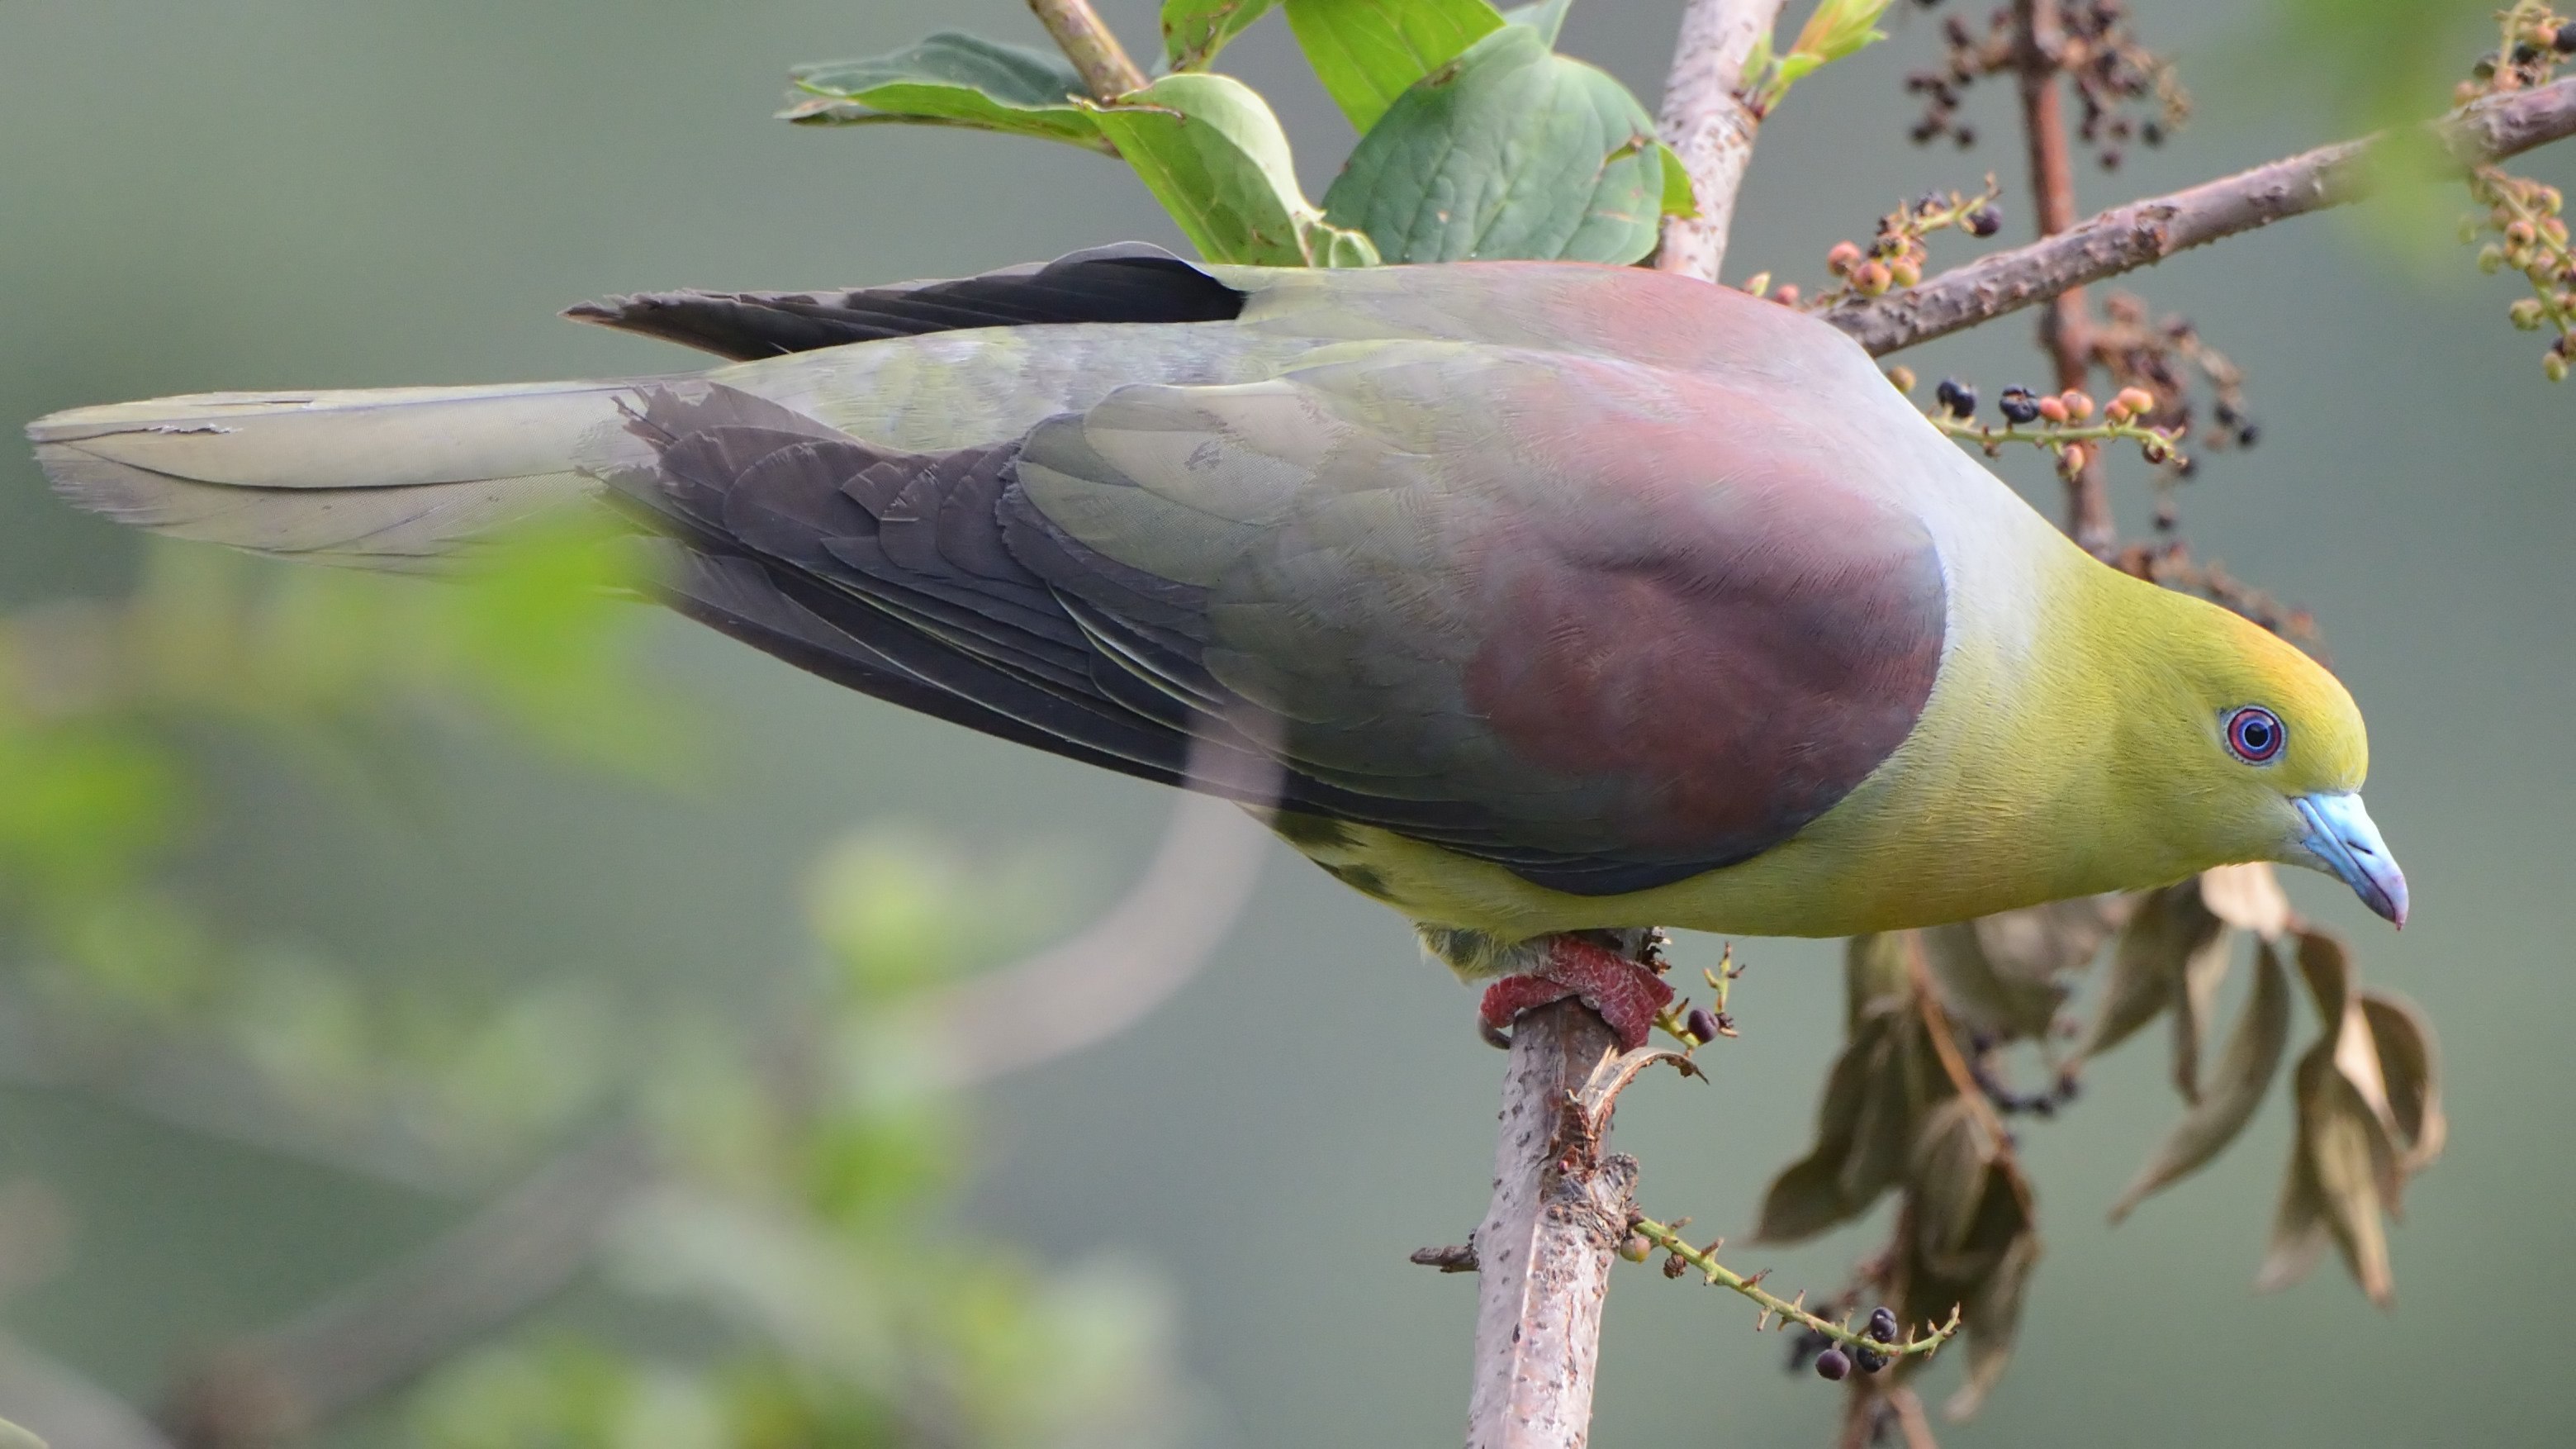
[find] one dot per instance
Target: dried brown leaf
(2044, 942)
(2341, 1166)
(2248, 897)
(2195, 1005)
(2244, 1075)
(1946, 1181)
(1993, 1317)
(2166, 930)
(2410, 1062)
(1981, 998)
(1874, 975)
(1807, 1197)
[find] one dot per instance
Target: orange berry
(1786, 294)
(1906, 271)
(2079, 403)
(1871, 278)
(1842, 259)
(2053, 409)
(2137, 402)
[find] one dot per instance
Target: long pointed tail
(392, 479)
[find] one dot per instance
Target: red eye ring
(2256, 735)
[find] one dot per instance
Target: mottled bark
(2143, 233)
(1709, 126)
(1544, 1251)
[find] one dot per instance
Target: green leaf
(1210, 150)
(1195, 30)
(1839, 28)
(1547, 17)
(1509, 150)
(1679, 199)
(949, 80)
(1369, 52)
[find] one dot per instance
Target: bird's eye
(2255, 735)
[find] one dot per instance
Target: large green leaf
(949, 80)
(1547, 17)
(1369, 52)
(1195, 30)
(1211, 151)
(1509, 150)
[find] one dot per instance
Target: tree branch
(385, 1332)
(2062, 328)
(1090, 988)
(56, 1401)
(1543, 1253)
(1091, 46)
(2143, 233)
(1709, 126)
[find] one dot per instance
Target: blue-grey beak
(2346, 845)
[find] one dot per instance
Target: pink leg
(1627, 995)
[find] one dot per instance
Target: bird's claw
(1626, 995)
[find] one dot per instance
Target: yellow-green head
(2233, 742)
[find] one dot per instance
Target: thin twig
(1708, 125)
(1091, 46)
(2143, 233)
(385, 1332)
(1149, 945)
(1924, 1344)
(52, 1399)
(2062, 328)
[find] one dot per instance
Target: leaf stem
(1923, 1344)
(1091, 46)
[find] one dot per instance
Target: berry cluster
(2116, 78)
(2531, 238)
(1834, 1365)
(1895, 257)
(2062, 1089)
(2535, 41)
(2059, 422)
(1697, 1026)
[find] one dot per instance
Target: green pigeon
(1561, 601)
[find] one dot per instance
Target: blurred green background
(345, 193)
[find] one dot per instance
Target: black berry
(1882, 1324)
(2485, 68)
(1958, 397)
(2565, 41)
(2524, 53)
(2248, 435)
(1833, 1365)
(2018, 405)
(1871, 1361)
(1985, 221)
(1701, 1023)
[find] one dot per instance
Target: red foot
(1627, 995)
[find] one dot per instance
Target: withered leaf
(1874, 975)
(2249, 897)
(2043, 942)
(2195, 1005)
(2245, 1071)
(2166, 931)
(1808, 1198)
(1946, 1181)
(1993, 1318)
(1982, 998)
(2341, 1166)
(2410, 1063)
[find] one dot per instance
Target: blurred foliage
(803, 1212)
(794, 1233)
